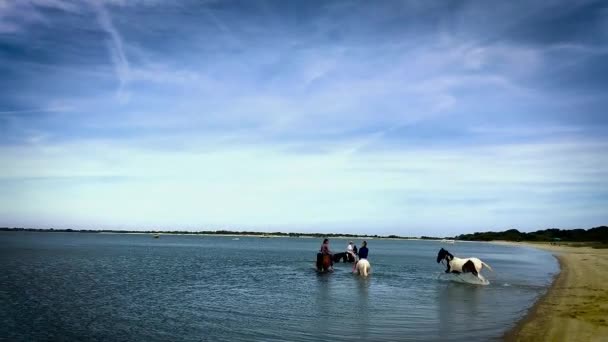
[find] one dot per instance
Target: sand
(575, 308)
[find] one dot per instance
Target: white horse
(458, 265)
(363, 267)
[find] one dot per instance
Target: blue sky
(387, 117)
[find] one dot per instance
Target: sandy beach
(575, 308)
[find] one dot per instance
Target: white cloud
(259, 185)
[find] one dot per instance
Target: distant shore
(267, 236)
(575, 308)
(227, 233)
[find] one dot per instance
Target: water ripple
(132, 287)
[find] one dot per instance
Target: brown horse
(324, 263)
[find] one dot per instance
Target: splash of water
(466, 278)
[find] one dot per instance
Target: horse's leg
(475, 272)
(319, 262)
(469, 266)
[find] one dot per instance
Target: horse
(363, 267)
(344, 256)
(458, 265)
(324, 263)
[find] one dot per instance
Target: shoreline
(515, 333)
(575, 306)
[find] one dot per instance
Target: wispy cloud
(15, 14)
(115, 46)
(35, 110)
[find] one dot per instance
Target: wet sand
(575, 308)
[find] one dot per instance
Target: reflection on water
(134, 287)
(363, 307)
(323, 301)
(459, 309)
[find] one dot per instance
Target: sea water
(130, 287)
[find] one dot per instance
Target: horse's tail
(363, 267)
(488, 266)
(365, 270)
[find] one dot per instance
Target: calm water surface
(107, 287)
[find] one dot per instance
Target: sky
(385, 117)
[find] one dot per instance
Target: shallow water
(119, 287)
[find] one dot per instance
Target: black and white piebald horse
(344, 256)
(458, 265)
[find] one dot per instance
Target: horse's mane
(443, 252)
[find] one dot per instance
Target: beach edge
(532, 314)
(573, 307)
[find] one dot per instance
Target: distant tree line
(597, 234)
(204, 232)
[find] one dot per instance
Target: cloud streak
(35, 110)
(115, 46)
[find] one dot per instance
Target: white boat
(448, 241)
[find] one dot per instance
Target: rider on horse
(324, 257)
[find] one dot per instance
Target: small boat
(447, 241)
(156, 236)
(235, 239)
